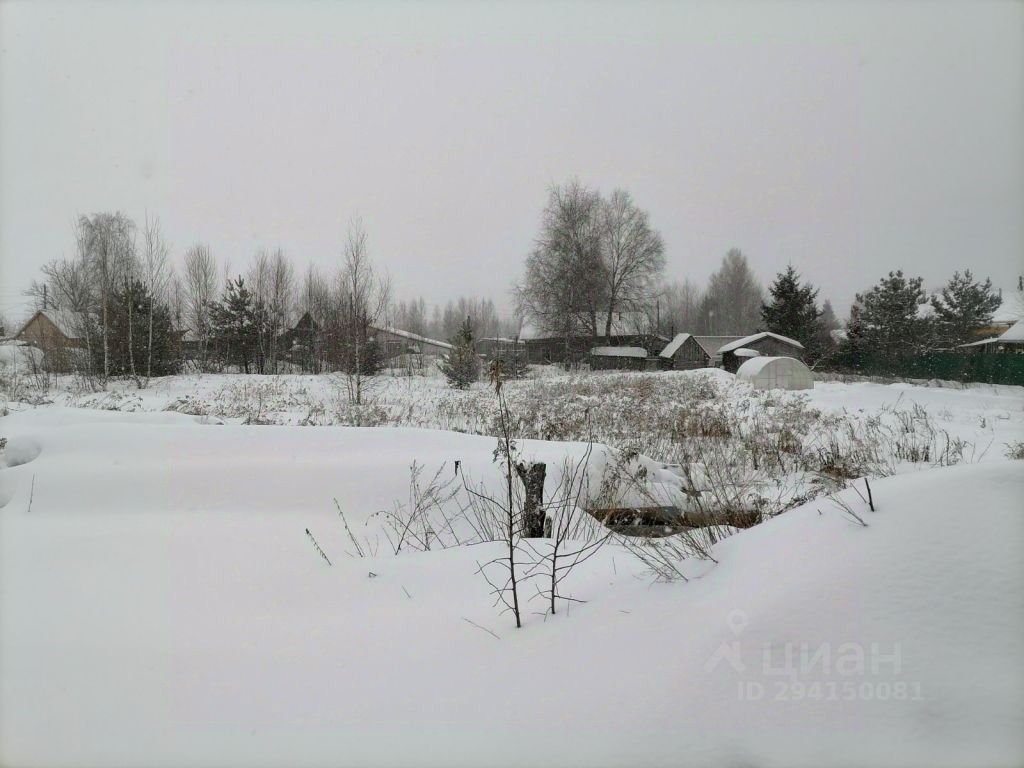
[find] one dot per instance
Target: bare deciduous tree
(106, 244)
(363, 298)
(200, 292)
(734, 297)
(315, 301)
(684, 308)
(562, 289)
(157, 273)
(632, 257)
(593, 260)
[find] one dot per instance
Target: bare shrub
(1015, 450)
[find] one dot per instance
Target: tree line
(596, 269)
(599, 260)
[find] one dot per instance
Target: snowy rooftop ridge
(673, 346)
(713, 344)
(413, 336)
(1014, 334)
(1011, 309)
(71, 324)
(619, 352)
(757, 337)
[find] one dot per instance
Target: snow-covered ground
(161, 603)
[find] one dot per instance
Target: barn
(765, 343)
(683, 353)
(776, 373)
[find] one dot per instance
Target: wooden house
(59, 334)
(1010, 340)
(765, 343)
(710, 345)
(683, 353)
(618, 359)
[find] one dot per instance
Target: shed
(683, 353)
(765, 342)
(776, 373)
(618, 358)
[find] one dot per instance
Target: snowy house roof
(673, 346)
(744, 352)
(1015, 334)
(713, 344)
(757, 337)
(982, 343)
(501, 340)
(619, 352)
(71, 324)
(1010, 310)
(413, 336)
(623, 324)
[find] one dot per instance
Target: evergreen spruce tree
(792, 311)
(964, 306)
(128, 333)
(234, 321)
(886, 318)
(462, 367)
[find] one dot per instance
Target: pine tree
(792, 311)
(964, 306)
(886, 319)
(128, 312)
(234, 321)
(461, 367)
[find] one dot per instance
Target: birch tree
(363, 300)
(200, 289)
(157, 274)
(632, 257)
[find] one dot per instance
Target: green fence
(989, 368)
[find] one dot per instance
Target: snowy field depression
(206, 571)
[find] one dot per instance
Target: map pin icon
(736, 621)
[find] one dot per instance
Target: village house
(1010, 340)
(394, 342)
(764, 344)
(621, 358)
(59, 334)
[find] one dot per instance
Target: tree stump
(532, 476)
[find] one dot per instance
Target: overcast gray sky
(848, 139)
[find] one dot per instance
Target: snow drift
(161, 605)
